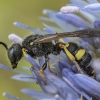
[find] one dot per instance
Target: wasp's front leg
(40, 71)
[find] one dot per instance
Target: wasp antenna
(5, 45)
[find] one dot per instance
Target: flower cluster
(69, 84)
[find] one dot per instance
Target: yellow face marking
(31, 43)
(24, 52)
(80, 54)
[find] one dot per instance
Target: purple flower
(68, 84)
(97, 24)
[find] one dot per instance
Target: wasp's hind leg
(70, 56)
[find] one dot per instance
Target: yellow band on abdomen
(80, 54)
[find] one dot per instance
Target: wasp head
(15, 54)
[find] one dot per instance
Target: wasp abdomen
(82, 57)
(84, 63)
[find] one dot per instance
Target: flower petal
(93, 7)
(69, 78)
(37, 94)
(78, 91)
(53, 59)
(46, 19)
(41, 60)
(98, 77)
(49, 29)
(89, 85)
(36, 73)
(62, 88)
(57, 97)
(5, 67)
(97, 24)
(65, 58)
(10, 69)
(24, 77)
(74, 69)
(86, 46)
(34, 30)
(96, 64)
(49, 88)
(84, 83)
(73, 20)
(11, 97)
(92, 1)
(62, 64)
(89, 15)
(60, 23)
(79, 2)
(32, 61)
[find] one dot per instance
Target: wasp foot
(52, 71)
(36, 82)
(41, 74)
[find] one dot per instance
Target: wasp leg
(45, 83)
(43, 76)
(33, 74)
(81, 97)
(70, 56)
(40, 71)
(25, 53)
(49, 67)
(47, 63)
(78, 67)
(36, 82)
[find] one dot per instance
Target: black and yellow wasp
(42, 45)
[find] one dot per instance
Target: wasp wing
(86, 33)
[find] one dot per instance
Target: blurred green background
(26, 12)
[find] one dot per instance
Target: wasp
(42, 45)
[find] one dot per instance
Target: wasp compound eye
(15, 54)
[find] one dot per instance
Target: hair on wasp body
(41, 45)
